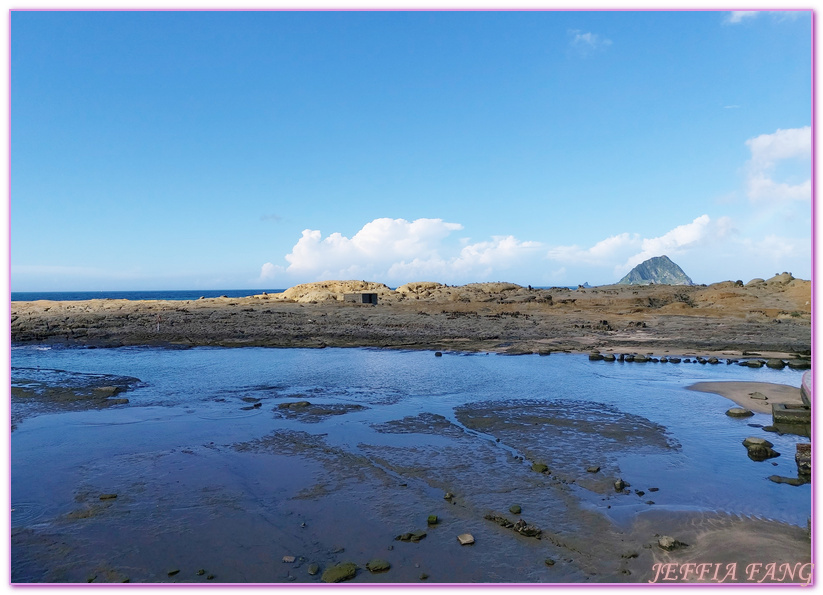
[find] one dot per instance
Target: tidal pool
(226, 461)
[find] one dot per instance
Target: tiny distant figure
(158, 322)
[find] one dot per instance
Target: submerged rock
(540, 467)
(515, 509)
(670, 543)
(792, 481)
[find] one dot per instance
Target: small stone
(640, 492)
(432, 520)
(417, 536)
(314, 568)
(593, 469)
(423, 576)
(210, 577)
(438, 354)
(448, 496)
(200, 572)
(549, 562)
(629, 555)
(515, 509)
(654, 489)
(649, 502)
(465, 539)
(288, 559)
(173, 572)
(377, 565)
(619, 485)
(759, 396)
(108, 496)
(739, 412)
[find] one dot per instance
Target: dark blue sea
(177, 294)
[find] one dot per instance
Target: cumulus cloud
(623, 251)
(770, 150)
(399, 250)
(602, 251)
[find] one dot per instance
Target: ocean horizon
(176, 294)
(172, 295)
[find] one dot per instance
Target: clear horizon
(208, 150)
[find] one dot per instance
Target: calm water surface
(175, 438)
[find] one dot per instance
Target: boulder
(595, 356)
(739, 412)
(761, 452)
(777, 364)
(377, 565)
(754, 441)
(339, 572)
(515, 509)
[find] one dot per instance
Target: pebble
(173, 572)
(288, 559)
(423, 576)
(549, 562)
(314, 568)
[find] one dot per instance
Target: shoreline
(722, 320)
(740, 392)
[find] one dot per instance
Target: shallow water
(195, 466)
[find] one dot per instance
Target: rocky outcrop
(659, 270)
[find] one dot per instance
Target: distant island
(659, 270)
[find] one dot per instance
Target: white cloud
(586, 43)
(768, 151)
(671, 242)
(602, 251)
(737, 16)
(402, 251)
(623, 251)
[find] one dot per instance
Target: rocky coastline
(762, 318)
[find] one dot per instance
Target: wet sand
(741, 393)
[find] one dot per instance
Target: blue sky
(187, 150)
